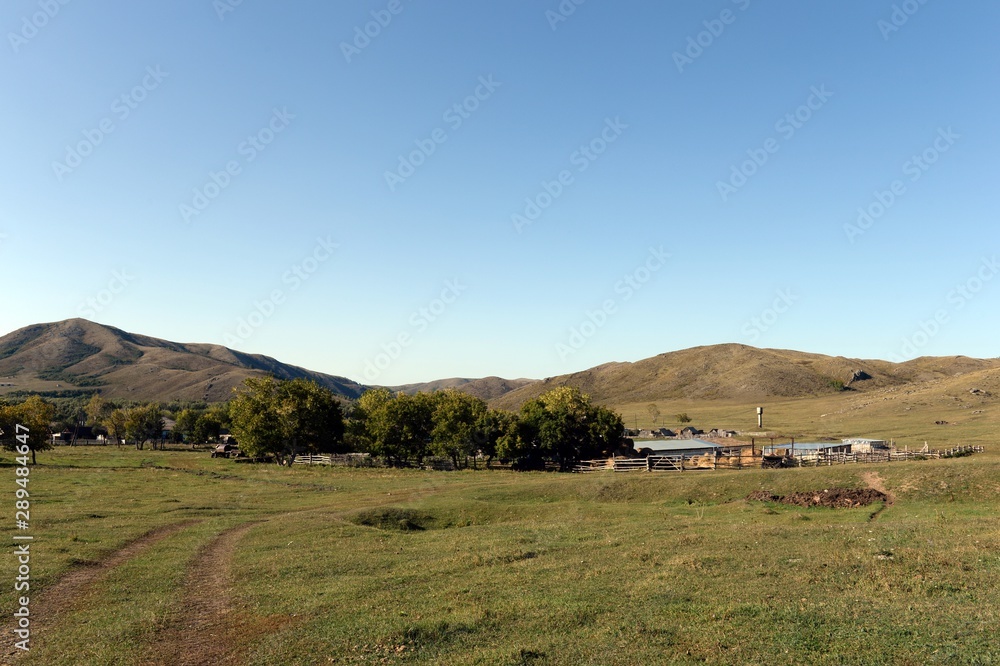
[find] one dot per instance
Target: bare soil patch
(874, 480)
(68, 591)
(834, 498)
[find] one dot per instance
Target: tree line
(121, 422)
(276, 419)
(285, 418)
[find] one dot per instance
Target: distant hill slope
(740, 372)
(124, 365)
(487, 388)
(77, 352)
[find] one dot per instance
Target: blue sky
(520, 190)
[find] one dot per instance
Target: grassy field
(373, 566)
(909, 416)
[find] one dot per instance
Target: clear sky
(496, 188)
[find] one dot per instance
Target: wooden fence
(734, 458)
(881, 456)
(740, 459)
(346, 459)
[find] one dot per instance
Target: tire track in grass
(66, 592)
(206, 630)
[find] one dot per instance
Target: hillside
(77, 352)
(741, 373)
(487, 388)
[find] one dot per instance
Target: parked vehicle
(226, 451)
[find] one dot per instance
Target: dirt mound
(835, 498)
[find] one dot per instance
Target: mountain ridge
(81, 353)
(742, 373)
(140, 367)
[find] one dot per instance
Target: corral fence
(879, 456)
(437, 463)
(342, 459)
(742, 459)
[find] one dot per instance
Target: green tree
(185, 423)
(69, 415)
(97, 410)
(256, 424)
(682, 418)
(286, 418)
(367, 416)
(143, 423)
(220, 413)
(494, 426)
(407, 427)
(115, 423)
(563, 426)
(207, 428)
(35, 414)
(396, 428)
(455, 418)
(607, 431)
(312, 419)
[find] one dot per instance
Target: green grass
(907, 416)
(358, 566)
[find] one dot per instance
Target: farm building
(661, 432)
(865, 445)
(806, 449)
(678, 447)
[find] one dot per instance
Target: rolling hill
(717, 384)
(81, 353)
(734, 372)
(486, 388)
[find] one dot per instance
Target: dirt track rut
(67, 592)
(205, 632)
